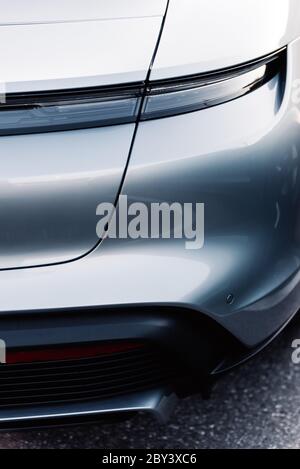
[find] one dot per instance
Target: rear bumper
(243, 161)
(186, 346)
(158, 402)
(178, 351)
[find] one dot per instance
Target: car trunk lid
(51, 183)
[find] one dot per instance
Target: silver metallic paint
(241, 159)
(205, 35)
(50, 186)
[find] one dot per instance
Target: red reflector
(69, 352)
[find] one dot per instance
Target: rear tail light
(46, 354)
(69, 109)
(193, 93)
(23, 113)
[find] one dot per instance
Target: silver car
(183, 109)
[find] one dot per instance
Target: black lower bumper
(179, 351)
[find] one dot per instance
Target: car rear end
(121, 98)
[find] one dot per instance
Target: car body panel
(76, 54)
(180, 314)
(50, 186)
(249, 251)
(34, 11)
(222, 34)
(53, 182)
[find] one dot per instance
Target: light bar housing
(23, 113)
(192, 93)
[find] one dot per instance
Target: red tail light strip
(69, 352)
